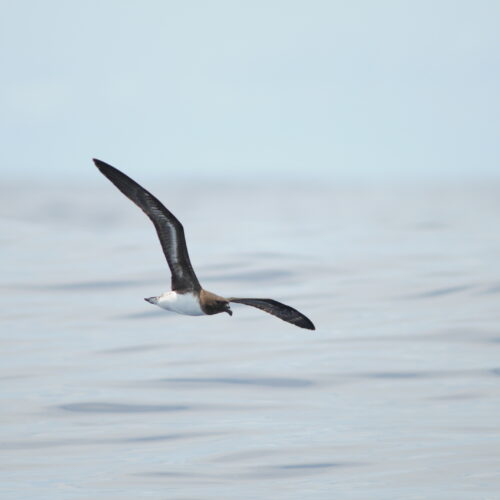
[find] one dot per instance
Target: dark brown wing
(282, 311)
(169, 229)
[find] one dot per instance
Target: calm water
(396, 395)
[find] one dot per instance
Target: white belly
(181, 303)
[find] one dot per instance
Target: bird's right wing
(169, 229)
(282, 311)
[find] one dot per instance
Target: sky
(312, 89)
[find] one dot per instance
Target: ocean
(395, 395)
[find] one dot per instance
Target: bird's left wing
(169, 229)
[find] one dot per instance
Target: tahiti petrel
(187, 296)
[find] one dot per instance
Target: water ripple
(122, 408)
(295, 470)
(92, 285)
(55, 443)
(134, 348)
(262, 275)
(261, 382)
(430, 374)
(438, 292)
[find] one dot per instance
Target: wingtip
(104, 168)
(98, 163)
(308, 325)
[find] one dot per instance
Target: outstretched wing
(282, 311)
(169, 229)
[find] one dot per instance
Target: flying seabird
(187, 296)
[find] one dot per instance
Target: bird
(187, 295)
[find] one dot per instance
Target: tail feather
(282, 311)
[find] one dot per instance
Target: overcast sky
(235, 89)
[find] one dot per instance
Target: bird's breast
(181, 303)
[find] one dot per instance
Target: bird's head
(227, 309)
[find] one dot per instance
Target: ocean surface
(396, 395)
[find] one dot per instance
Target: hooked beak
(229, 312)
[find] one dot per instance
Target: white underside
(181, 303)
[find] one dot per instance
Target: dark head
(217, 306)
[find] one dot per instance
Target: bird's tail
(282, 311)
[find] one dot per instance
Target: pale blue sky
(323, 89)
